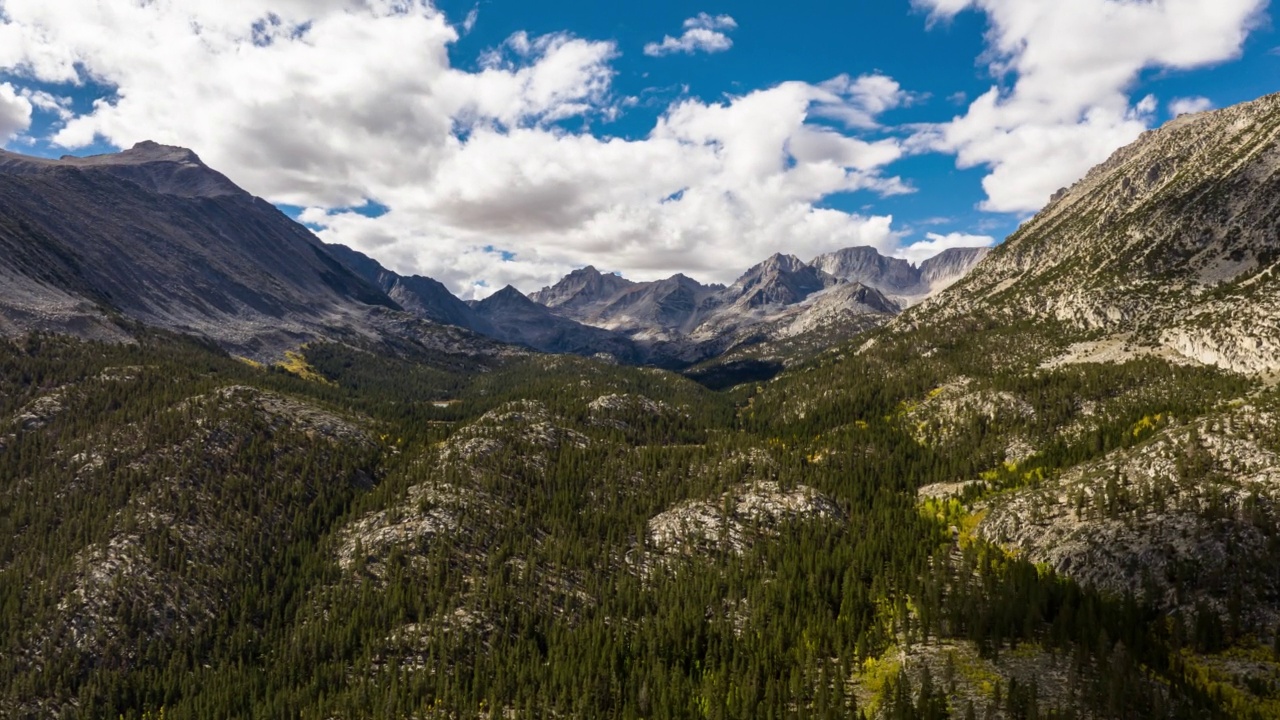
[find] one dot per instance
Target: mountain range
(153, 235)
(247, 474)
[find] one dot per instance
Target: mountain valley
(247, 474)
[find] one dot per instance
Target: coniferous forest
(384, 534)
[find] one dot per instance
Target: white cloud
(325, 104)
(857, 102)
(702, 33)
(47, 102)
(1074, 64)
(469, 23)
(923, 250)
(711, 22)
(1189, 105)
(15, 113)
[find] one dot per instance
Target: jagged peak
(776, 262)
(508, 292)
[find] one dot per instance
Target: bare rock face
(582, 290)
(952, 408)
(1197, 506)
(1172, 241)
(867, 266)
(948, 267)
(658, 310)
(905, 284)
(429, 511)
(780, 280)
(736, 519)
(620, 411)
(525, 431)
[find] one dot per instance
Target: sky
(508, 142)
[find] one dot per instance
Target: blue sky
(509, 142)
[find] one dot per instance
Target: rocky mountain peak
(866, 265)
(581, 288)
(163, 169)
(780, 280)
(782, 263)
(508, 295)
(141, 153)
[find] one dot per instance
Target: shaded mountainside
(154, 235)
(419, 295)
(516, 318)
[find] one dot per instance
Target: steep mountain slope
(782, 297)
(658, 309)
(867, 266)
(419, 295)
(1171, 243)
(152, 235)
(949, 266)
(780, 280)
(1102, 388)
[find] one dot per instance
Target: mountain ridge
(1170, 243)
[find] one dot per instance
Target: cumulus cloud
(1189, 105)
(330, 104)
(15, 113)
(857, 102)
(936, 243)
(1074, 64)
(702, 33)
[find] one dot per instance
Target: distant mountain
(657, 308)
(780, 280)
(681, 320)
(906, 283)
(417, 294)
(581, 290)
(947, 267)
(517, 319)
(867, 266)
